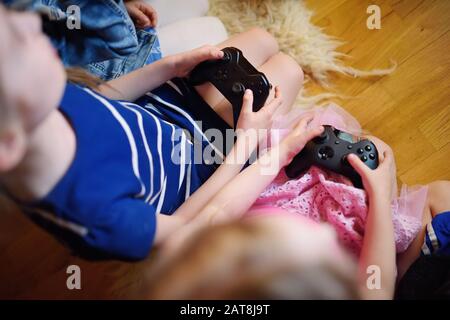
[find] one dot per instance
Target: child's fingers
(358, 165)
(151, 13)
(387, 159)
(314, 132)
(275, 103)
(138, 16)
(247, 102)
(208, 52)
(388, 156)
(302, 124)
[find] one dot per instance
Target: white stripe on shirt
(129, 134)
(75, 228)
(188, 181)
(188, 117)
(146, 147)
(184, 139)
(173, 85)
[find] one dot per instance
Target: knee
(438, 190)
(266, 41)
(290, 68)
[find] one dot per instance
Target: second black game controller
(232, 75)
(330, 151)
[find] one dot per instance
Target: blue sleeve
(126, 230)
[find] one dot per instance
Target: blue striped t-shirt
(132, 162)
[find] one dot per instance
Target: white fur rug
(290, 22)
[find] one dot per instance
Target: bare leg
(282, 71)
(438, 201)
(258, 47)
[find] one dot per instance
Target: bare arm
(246, 142)
(135, 84)
(378, 250)
(248, 134)
(233, 200)
(239, 195)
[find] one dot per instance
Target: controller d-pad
(325, 153)
(221, 74)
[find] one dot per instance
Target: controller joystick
(232, 75)
(330, 151)
(226, 56)
(238, 87)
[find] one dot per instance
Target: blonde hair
(241, 260)
(82, 77)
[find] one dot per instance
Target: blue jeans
(148, 52)
(107, 43)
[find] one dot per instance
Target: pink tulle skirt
(324, 196)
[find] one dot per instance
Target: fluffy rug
(289, 21)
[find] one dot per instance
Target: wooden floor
(408, 109)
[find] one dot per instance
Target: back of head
(248, 260)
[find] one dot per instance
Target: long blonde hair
(239, 260)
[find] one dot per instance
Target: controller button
(368, 148)
(219, 75)
(364, 158)
(349, 147)
(360, 150)
(238, 87)
(326, 152)
(372, 156)
(337, 142)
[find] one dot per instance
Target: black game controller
(232, 75)
(330, 151)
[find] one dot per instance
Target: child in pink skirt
(374, 223)
(325, 196)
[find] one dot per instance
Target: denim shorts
(149, 51)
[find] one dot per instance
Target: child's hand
(260, 120)
(378, 182)
(186, 61)
(296, 140)
(143, 14)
